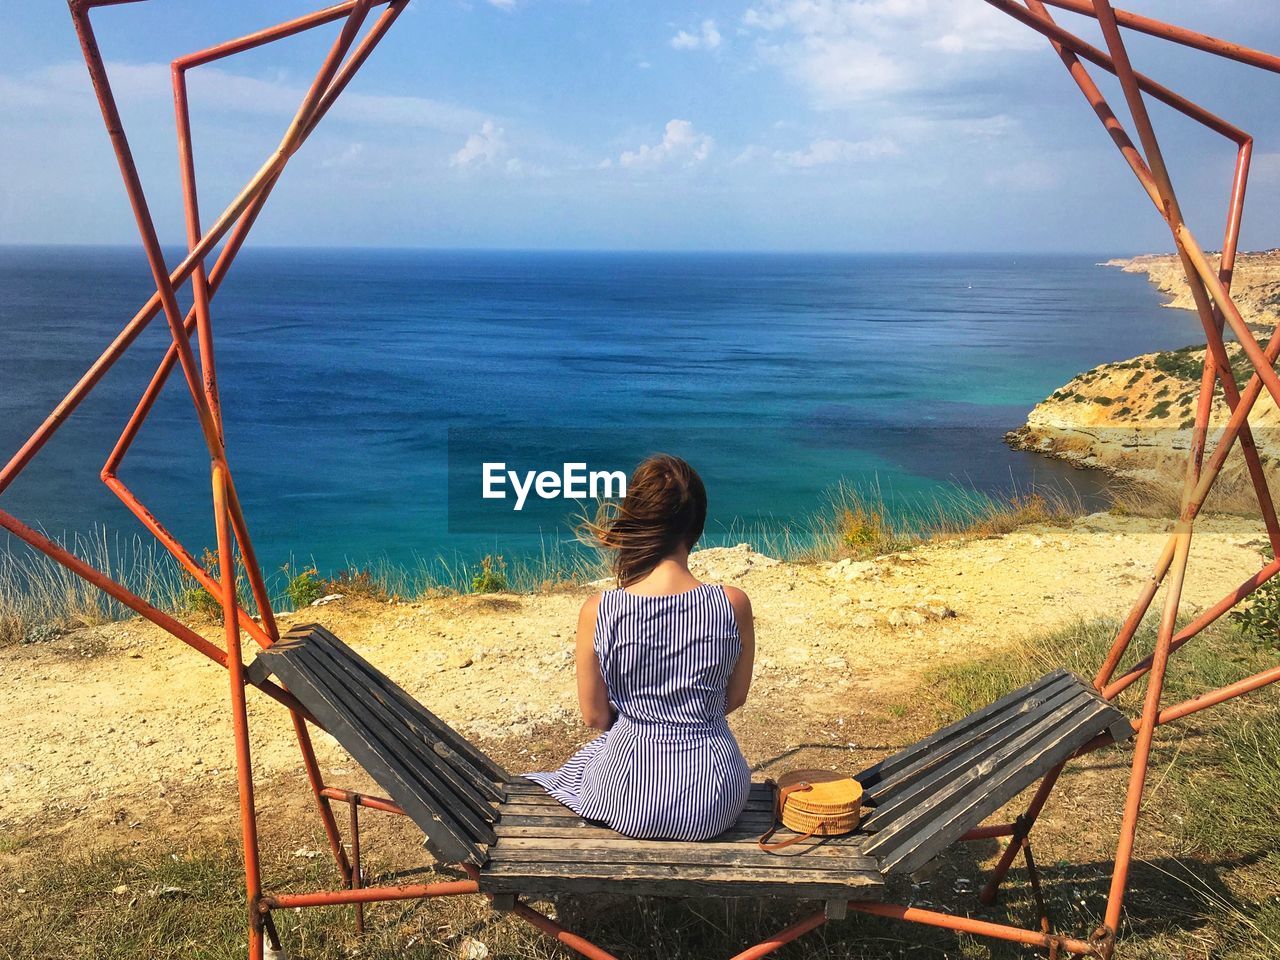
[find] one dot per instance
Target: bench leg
(1034, 876)
(782, 937)
(356, 879)
(1022, 829)
(316, 781)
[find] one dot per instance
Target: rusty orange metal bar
(577, 944)
(1095, 56)
(983, 928)
(1242, 592)
(338, 898)
(363, 800)
(1210, 288)
(782, 937)
(1188, 38)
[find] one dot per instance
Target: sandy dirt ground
(124, 716)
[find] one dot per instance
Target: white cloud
(845, 52)
(503, 4)
(705, 37)
(483, 148)
(64, 87)
(827, 151)
(681, 143)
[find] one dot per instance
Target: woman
(661, 661)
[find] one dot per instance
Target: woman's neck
(671, 575)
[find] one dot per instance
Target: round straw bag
(814, 803)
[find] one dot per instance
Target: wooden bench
(543, 847)
(446, 785)
(919, 801)
(924, 798)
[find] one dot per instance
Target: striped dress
(669, 768)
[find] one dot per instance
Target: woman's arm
(740, 679)
(592, 696)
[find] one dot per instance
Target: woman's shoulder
(590, 608)
(738, 599)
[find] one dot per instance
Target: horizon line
(663, 251)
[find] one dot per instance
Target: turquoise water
(345, 374)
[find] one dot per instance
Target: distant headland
(1133, 418)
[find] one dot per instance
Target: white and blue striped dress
(669, 768)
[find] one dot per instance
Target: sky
(832, 125)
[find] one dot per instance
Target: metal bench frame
(1210, 288)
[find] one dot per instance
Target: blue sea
(363, 388)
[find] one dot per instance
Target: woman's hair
(664, 511)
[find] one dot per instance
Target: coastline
(1133, 418)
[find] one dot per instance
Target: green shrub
(1260, 618)
(196, 600)
(492, 576)
(304, 588)
(1182, 363)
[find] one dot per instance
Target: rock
(716, 564)
(935, 609)
(863, 621)
(906, 617)
(43, 633)
(330, 598)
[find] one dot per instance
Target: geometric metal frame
(1210, 288)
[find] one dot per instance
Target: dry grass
(864, 522)
(36, 592)
(855, 521)
(1232, 493)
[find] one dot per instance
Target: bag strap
(780, 800)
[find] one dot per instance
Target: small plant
(492, 576)
(1260, 620)
(196, 600)
(304, 588)
(355, 583)
(864, 529)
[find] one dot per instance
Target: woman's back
(667, 659)
(669, 766)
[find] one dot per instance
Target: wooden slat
(945, 752)
(381, 689)
(940, 820)
(397, 741)
(550, 806)
(444, 838)
(622, 848)
(583, 828)
(1065, 703)
(529, 850)
(759, 821)
(466, 782)
(671, 880)
(446, 733)
(918, 751)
